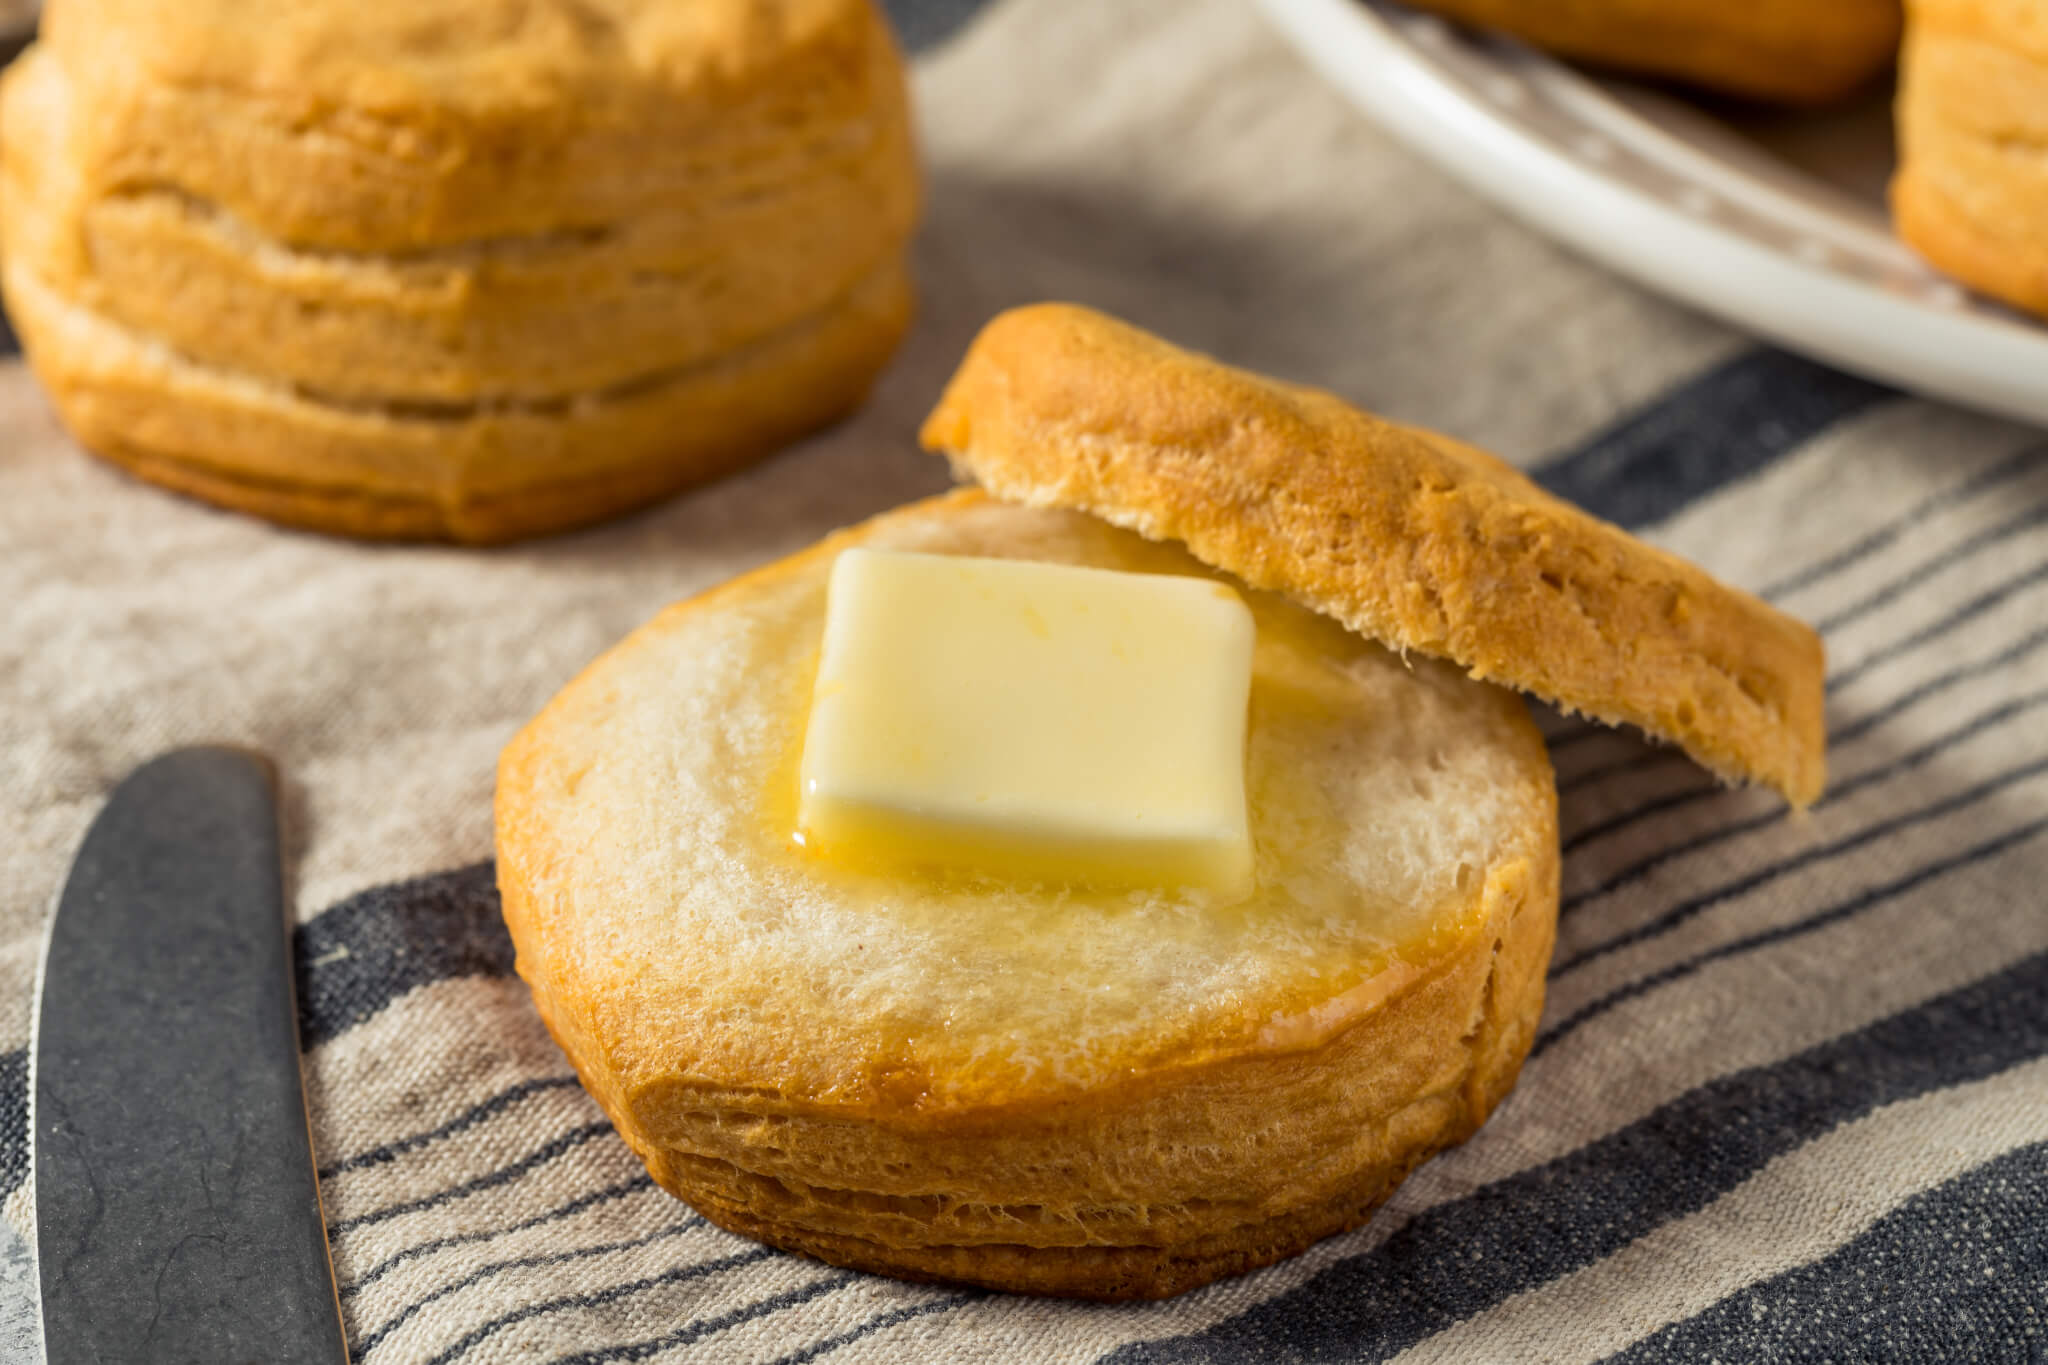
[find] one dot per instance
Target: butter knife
(177, 1212)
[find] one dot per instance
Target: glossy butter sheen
(1021, 719)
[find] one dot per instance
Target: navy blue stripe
(365, 952)
(694, 1331)
(1465, 1256)
(1967, 612)
(1840, 910)
(1785, 867)
(1571, 740)
(368, 950)
(1916, 574)
(1977, 543)
(367, 1343)
(921, 24)
(13, 1118)
(503, 1175)
(598, 1298)
(1957, 1273)
(1716, 430)
(874, 1325)
(1713, 431)
(1940, 682)
(1933, 630)
(1642, 810)
(2034, 457)
(496, 1104)
(1660, 757)
(1841, 791)
(1845, 733)
(554, 1215)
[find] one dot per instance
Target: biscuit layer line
(483, 473)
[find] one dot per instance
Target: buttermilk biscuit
(1119, 1094)
(1971, 193)
(470, 270)
(1107, 1094)
(1791, 51)
(1404, 535)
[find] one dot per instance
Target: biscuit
(1412, 538)
(1103, 1094)
(475, 473)
(1787, 51)
(1971, 192)
(515, 253)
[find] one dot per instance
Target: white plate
(1776, 226)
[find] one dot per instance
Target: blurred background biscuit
(1790, 51)
(1971, 194)
(468, 271)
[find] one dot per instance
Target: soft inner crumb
(1377, 795)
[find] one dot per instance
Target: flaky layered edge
(478, 474)
(1400, 534)
(1971, 191)
(584, 306)
(1218, 1169)
(1170, 1176)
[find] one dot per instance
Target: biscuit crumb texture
(1401, 534)
(454, 270)
(1971, 192)
(1110, 1094)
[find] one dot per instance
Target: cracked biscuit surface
(1107, 1094)
(469, 271)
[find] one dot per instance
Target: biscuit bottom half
(1105, 1094)
(478, 472)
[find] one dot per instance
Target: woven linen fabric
(1790, 1095)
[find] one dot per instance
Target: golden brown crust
(1346, 1121)
(1791, 51)
(523, 318)
(378, 128)
(1971, 192)
(1401, 534)
(462, 269)
(1149, 1178)
(478, 478)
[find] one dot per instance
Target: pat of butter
(1030, 720)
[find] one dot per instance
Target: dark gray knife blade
(177, 1212)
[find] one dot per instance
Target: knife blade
(177, 1211)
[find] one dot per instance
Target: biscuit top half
(1400, 534)
(386, 126)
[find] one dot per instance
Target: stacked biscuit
(475, 270)
(1972, 190)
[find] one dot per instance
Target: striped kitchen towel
(1790, 1096)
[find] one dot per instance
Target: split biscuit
(1404, 535)
(1119, 1094)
